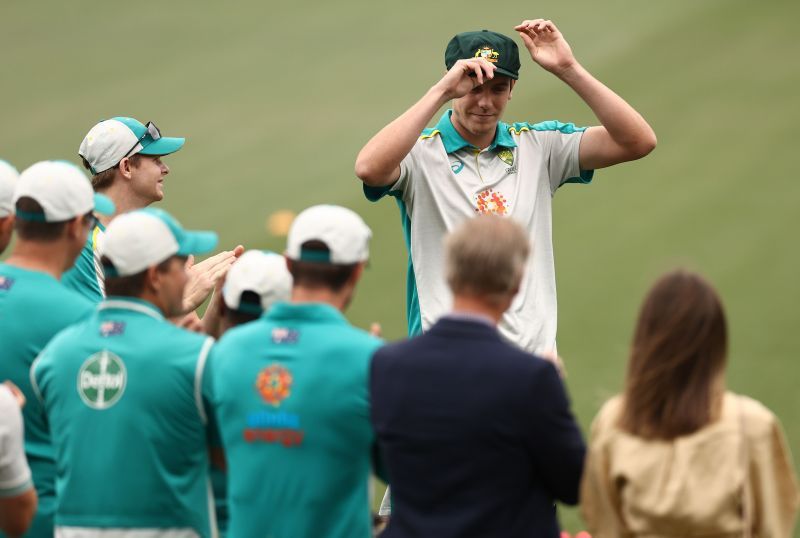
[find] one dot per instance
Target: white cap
(8, 182)
(108, 142)
(344, 233)
(63, 191)
(263, 273)
(140, 239)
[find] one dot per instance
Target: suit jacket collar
(464, 329)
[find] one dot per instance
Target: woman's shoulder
(606, 420)
(757, 420)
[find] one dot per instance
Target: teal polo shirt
(34, 306)
(123, 396)
(290, 394)
(86, 276)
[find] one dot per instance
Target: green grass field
(277, 99)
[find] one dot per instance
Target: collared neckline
(453, 141)
(305, 311)
(133, 304)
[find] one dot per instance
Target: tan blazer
(693, 485)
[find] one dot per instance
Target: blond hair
(485, 257)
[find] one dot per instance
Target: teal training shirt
(290, 393)
(34, 306)
(86, 276)
(123, 396)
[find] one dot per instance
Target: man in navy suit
(476, 435)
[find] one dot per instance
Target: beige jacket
(693, 485)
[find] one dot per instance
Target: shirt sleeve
(556, 441)
(403, 187)
(561, 146)
(208, 398)
(600, 504)
(773, 483)
(15, 475)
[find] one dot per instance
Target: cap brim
(163, 146)
(197, 243)
(501, 71)
(103, 204)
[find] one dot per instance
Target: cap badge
(489, 53)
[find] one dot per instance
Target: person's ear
(125, 168)
(6, 224)
(75, 229)
(153, 281)
(357, 272)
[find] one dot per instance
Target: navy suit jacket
(476, 435)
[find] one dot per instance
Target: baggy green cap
(499, 49)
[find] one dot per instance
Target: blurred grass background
(276, 99)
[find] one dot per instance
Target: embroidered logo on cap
(489, 53)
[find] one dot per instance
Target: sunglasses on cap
(150, 129)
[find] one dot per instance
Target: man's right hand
(464, 76)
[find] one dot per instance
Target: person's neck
(124, 201)
(50, 258)
(337, 299)
(480, 141)
(470, 305)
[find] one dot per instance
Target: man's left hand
(546, 45)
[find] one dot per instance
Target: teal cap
(162, 146)
(189, 242)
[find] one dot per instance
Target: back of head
(326, 244)
(48, 195)
(677, 357)
(254, 283)
(486, 257)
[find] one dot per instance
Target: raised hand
(466, 75)
(546, 45)
(204, 276)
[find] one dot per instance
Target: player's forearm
(626, 127)
(379, 160)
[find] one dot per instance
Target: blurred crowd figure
(677, 454)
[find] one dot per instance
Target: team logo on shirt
(112, 328)
(507, 156)
(101, 380)
(456, 165)
(273, 384)
(489, 202)
(489, 53)
(6, 283)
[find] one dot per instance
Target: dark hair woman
(676, 454)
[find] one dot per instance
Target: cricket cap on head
(62, 190)
(110, 141)
(498, 49)
(146, 237)
(341, 230)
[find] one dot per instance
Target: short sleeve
(15, 475)
(403, 187)
(561, 146)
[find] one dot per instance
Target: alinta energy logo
(489, 202)
(274, 383)
(101, 380)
